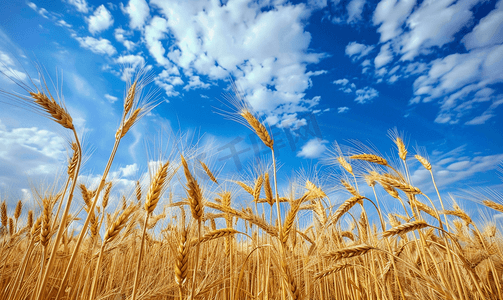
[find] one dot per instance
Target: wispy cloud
(80, 5)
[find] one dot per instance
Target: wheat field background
(175, 238)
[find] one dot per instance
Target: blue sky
(316, 72)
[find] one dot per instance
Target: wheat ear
(208, 172)
(349, 252)
(493, 205)
(330, 271)
(182, 261)
(214, 234)
(426, 164)
(404, 228)
(3, 214)
(349, 188)
(50, 106)
(344, 208)
(258, 127)
(371, 158)
(268, 190)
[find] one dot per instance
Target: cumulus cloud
(356, 50)
(342, 81)
(346, 87)
(121, 36)
(366, 95)
(129, 170)
(131, 60)
(42, 154)
(138, 11)
(154, 33)
(434, 23)
(100, 20)
(196, 83)
(98, 46)
(384, 57)
(355, 9)
(80, 5)
(168, 79)
(391, 15)
(314, 148)
(266, 50)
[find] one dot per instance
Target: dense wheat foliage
(206, 245)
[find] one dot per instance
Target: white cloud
(131, 60)
(110, 98)
(358, 50)
(384, 57)
(488, 32)
(345, 86)
(129, 170)
(343, 81)
(168, 79)
(460, 82)
(120, 35)
(391, 14)
(434, 23)
(98, 46)
(81, 5)
(154, 33)
(138, 11)
(62, 23)
(42, 11)
(355, 9)
(454, 167)
(366, 95)
(29, 153)
(100, 20)
(314, 148)
(264, 46)
(342, 110)
(8, 67)
(196, 83)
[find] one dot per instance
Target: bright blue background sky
(355, 69)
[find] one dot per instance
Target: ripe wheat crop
(221, 250)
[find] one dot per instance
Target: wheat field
(211, 247)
